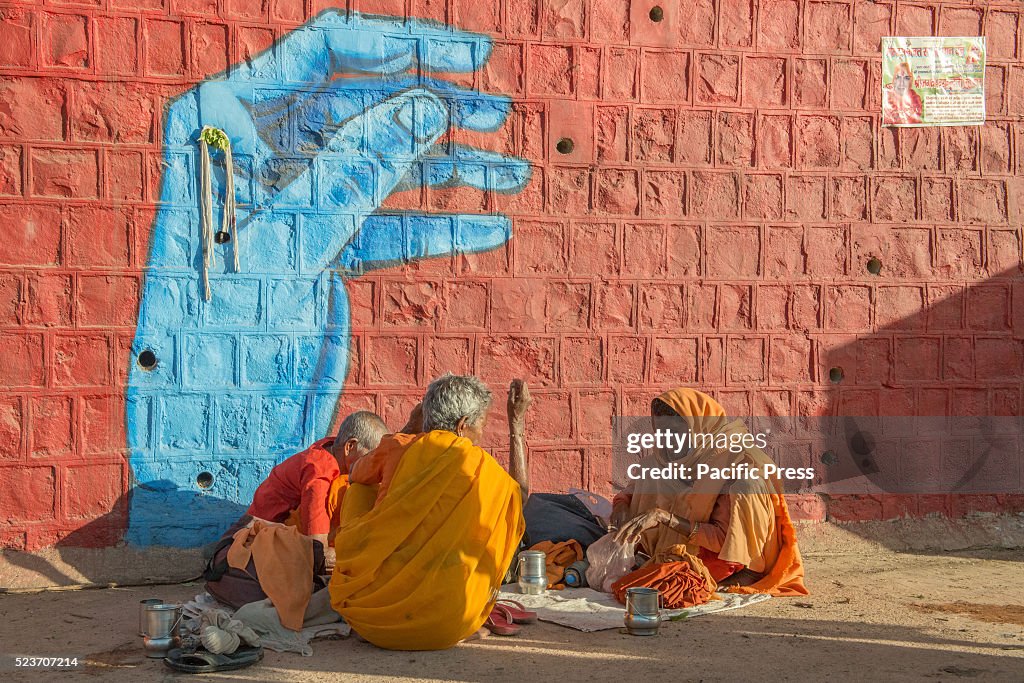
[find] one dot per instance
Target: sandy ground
(876, 616)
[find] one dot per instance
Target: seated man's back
(306, 490)
(419, 567)
(300, 483)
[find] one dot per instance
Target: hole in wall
(147, 360)
(565, 146)
(862, 443)
(222, 237)
(829, 458)
(836, 374)
(204, 480)
(874, 266)
(656, 14)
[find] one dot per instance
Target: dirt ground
(871, 616)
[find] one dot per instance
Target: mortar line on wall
(716, 38)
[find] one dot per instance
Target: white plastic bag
(609, 562)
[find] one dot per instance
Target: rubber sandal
(517, 612)
(204, 662)
(500, 624)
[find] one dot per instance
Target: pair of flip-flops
(505, 616)
(204, 662)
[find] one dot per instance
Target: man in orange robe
(428, 528)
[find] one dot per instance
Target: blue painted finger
(444, 48)
(394, 238)
(479, 168)
(396, 133)
(334, 42)
(320, 113)
(369, 143)
(477, 232)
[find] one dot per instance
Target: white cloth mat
(586, 609)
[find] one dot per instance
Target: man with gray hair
(459, 404)
(358, 434)
(305, 489)
(455, 404)
(420, 562)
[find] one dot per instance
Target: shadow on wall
(950, 356)
(75, 559)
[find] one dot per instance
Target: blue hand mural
(325, 125)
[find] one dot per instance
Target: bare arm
(632, 531)
(518, 402)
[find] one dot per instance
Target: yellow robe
(420, 569)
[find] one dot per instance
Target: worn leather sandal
(204, 662)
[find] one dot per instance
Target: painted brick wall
(727, 183)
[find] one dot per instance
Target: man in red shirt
(307, 488)
(303, 482)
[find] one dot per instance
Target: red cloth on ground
(681, 584)
(301, 482)
(719, 569)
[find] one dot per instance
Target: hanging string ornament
(215, 137)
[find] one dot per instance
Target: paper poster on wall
(933, 81)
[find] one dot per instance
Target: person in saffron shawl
(902, 103)
(740, 530)
(428, 527)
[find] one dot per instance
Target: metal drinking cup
(142, 612)
(161, 628)
(533, 574)
(643, 611)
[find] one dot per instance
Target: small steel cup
(643, 611)
(161, 620)
(160, 624)
(142, 612)
(533, 574)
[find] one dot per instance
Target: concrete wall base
(97, 567)
(931, 535)
(55, 568)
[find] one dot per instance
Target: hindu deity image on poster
(933, 81)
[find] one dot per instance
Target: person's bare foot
(479, 635)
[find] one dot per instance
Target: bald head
(358, 434)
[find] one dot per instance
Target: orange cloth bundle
(284, 564)
(682, 584)
(559, 557)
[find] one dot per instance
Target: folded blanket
(685, 583)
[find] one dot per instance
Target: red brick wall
(729, 181)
